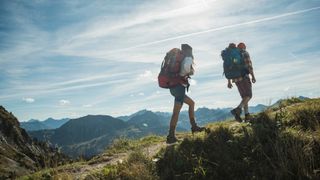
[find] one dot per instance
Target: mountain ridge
(20, 154)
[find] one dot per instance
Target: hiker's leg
(247, 94)
(191, 104)
(174, 118)
(245, 90)
(246, 106)
(194, 126)
(242, 103)
(179, 93)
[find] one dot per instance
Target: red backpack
(170, 68)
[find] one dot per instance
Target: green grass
(61, 172)
(278, 145)
(124, 144)
(136, 167)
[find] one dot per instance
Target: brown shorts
(245, 87)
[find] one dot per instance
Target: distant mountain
(55, 123)
(50, 123)
(33, 125)
(87, 128)
(90, 135)
(126, 118)
(19, 154)
(148, 122)
(146, 119)
(258, 108)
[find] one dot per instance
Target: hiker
(178, 86)
(240, 76)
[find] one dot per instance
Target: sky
(67, 59)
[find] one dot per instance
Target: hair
(241, 45)
(232, 45)
(187, 50)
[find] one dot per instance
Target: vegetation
(281, 143)
(277, 145)
(124, 144)
(138, 166)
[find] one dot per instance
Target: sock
(172, 132)
(193, 122)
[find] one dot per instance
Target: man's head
(232, 45)
(241, 45)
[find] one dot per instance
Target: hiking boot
(247, 117)
(197, 129)
(171, 139)
(236, 113)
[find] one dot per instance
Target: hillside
(90, 135)
(282, 142)
(86, 136)
(19, 154)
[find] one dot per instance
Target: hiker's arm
(249, 66)
(229, 84)
(251, 71)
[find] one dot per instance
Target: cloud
(286, 89)
(113, 54)
(141, 94)
(87, 106)
(64, 102)
(146, 74)
(28, 100)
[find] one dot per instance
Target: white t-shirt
(186, 67)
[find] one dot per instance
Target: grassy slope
(282, 143)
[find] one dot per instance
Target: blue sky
(73, 58)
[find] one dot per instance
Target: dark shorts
(245, 87)
(179, 92)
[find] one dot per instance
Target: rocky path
(81, 172)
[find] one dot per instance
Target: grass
(124, 144)
(281, 144)
(61, 172)
(137, 166)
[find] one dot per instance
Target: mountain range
(91, 134)
(50, 123)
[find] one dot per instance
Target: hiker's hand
(253, 80)
(229, 85)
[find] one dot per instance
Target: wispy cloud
(28, 100)
(109, 58)
(64, 102)
(88, 105)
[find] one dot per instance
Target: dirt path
(103, 160)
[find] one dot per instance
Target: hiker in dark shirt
(244, 85)
(179, 93)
